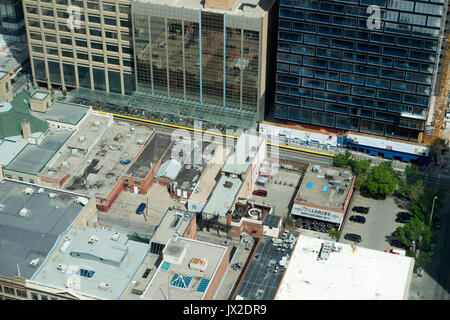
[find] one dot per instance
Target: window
(109, 21)
(9, 290)
(21, 293)
(86, 273)
(146, 273)
(34, 296)
(44, 297)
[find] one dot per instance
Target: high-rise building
(12, 27)
(344, 65)
(207, 53)
(81, 44)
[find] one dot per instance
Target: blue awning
(389, 156)
(373, 153)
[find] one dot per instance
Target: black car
(359, 209)
(398, 244)
(353, 237)
(358, 219)
(404, 215)
(402, 219)
(437, 223)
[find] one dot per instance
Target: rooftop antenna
(18, 269)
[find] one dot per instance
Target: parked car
(398, 244)
(141, 208)
(437, 223)
(359, 209)
(402, 219)
(403, 214)
(353, 237)
(259, 192)
(358, 219)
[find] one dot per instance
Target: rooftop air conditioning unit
(52, 195)
(92, 239)
(24, 212)
(34, 262)
(28, 190)
(40, 190)
(62, 267)
(82, 139)
(83, 201)
(115, 236)
(104, 286)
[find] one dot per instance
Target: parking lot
(380, 222)
(280, 191)
(123, 211)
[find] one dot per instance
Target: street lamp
(432, 208)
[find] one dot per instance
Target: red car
(261, 193)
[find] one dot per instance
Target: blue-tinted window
(282, 89)
(300, 92)
(351, 78)
(322, 118)
(304, 27)
(313, 104)
(287, 57)
(302, 71)
(409, 42)
(342, 44)
(327, 75)
(332, 7)
(355, 34)
(316, 40)
(280, 111)
(297, 114)
(425, 90)
(379, 61)
(292, 13)
(392, 74)
(375, 104)
(344, 21)
(362, 91)
(318, 17)
(396, 52)
(385, 116)
(286, 100)
(403, 86)
(354, 57)
(389, 95)
(313, 83)
(313, 62)
(281, 67)
(287, 79)
(338, 87)
(382, 38)
(350, 100)
(407, 65)
(341, 66)
(338, 108)
(420, 55)
(349, 123)
(328, 53)
(322, 95)
(419, 78)
(367, 70)
(397, 28)
(332, 31)
(378, 83)
(412, 18)
(424, 32)
(430, 45)
(423, 101)
(365, 47)
(290, 36)
(283, 46)
(306, 4)
(357, 11)
(427, 68)
(284, 24)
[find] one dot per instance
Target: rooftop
(348, 274)
(10, 122)
(33, 158)
(78, 145)
(64, 112)
(256, 9)
(39, 95)
(182, 281)
(245, 150)
(207, 180)
(10, 148)
(328, 187)
(223, 196)
(102, 170)
(94, 261)
(266, 269)
(150, 156)
(32, 234)
(250, 210)
(170, 169)
(173, 222)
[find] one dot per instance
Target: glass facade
(335, 71)
(202, 57)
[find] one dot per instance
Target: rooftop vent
(228, 184)
(25, 212)
(28, 190)
(82, 139)
(62, 267)
(52, 195)
(34, 262)
(81, 200)
(115, 236)
(316, 169)
(104, 286)
(93, 238)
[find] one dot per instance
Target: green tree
(416, 191)
(361, 167)
(410, 232)
(342, 160)
(382, 180)
(334, 233)
(403, 188)
(421, 261)
(411, 171)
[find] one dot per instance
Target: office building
(12, 27)
(212, 55)
(338, 69)
(92, 50)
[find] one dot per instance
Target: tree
(416, 191)
(382, 180)
(421, 261)
(411, 171)
(360, 167)
(342, 160)
(289, 222)
(410, 232)
(334, 234)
